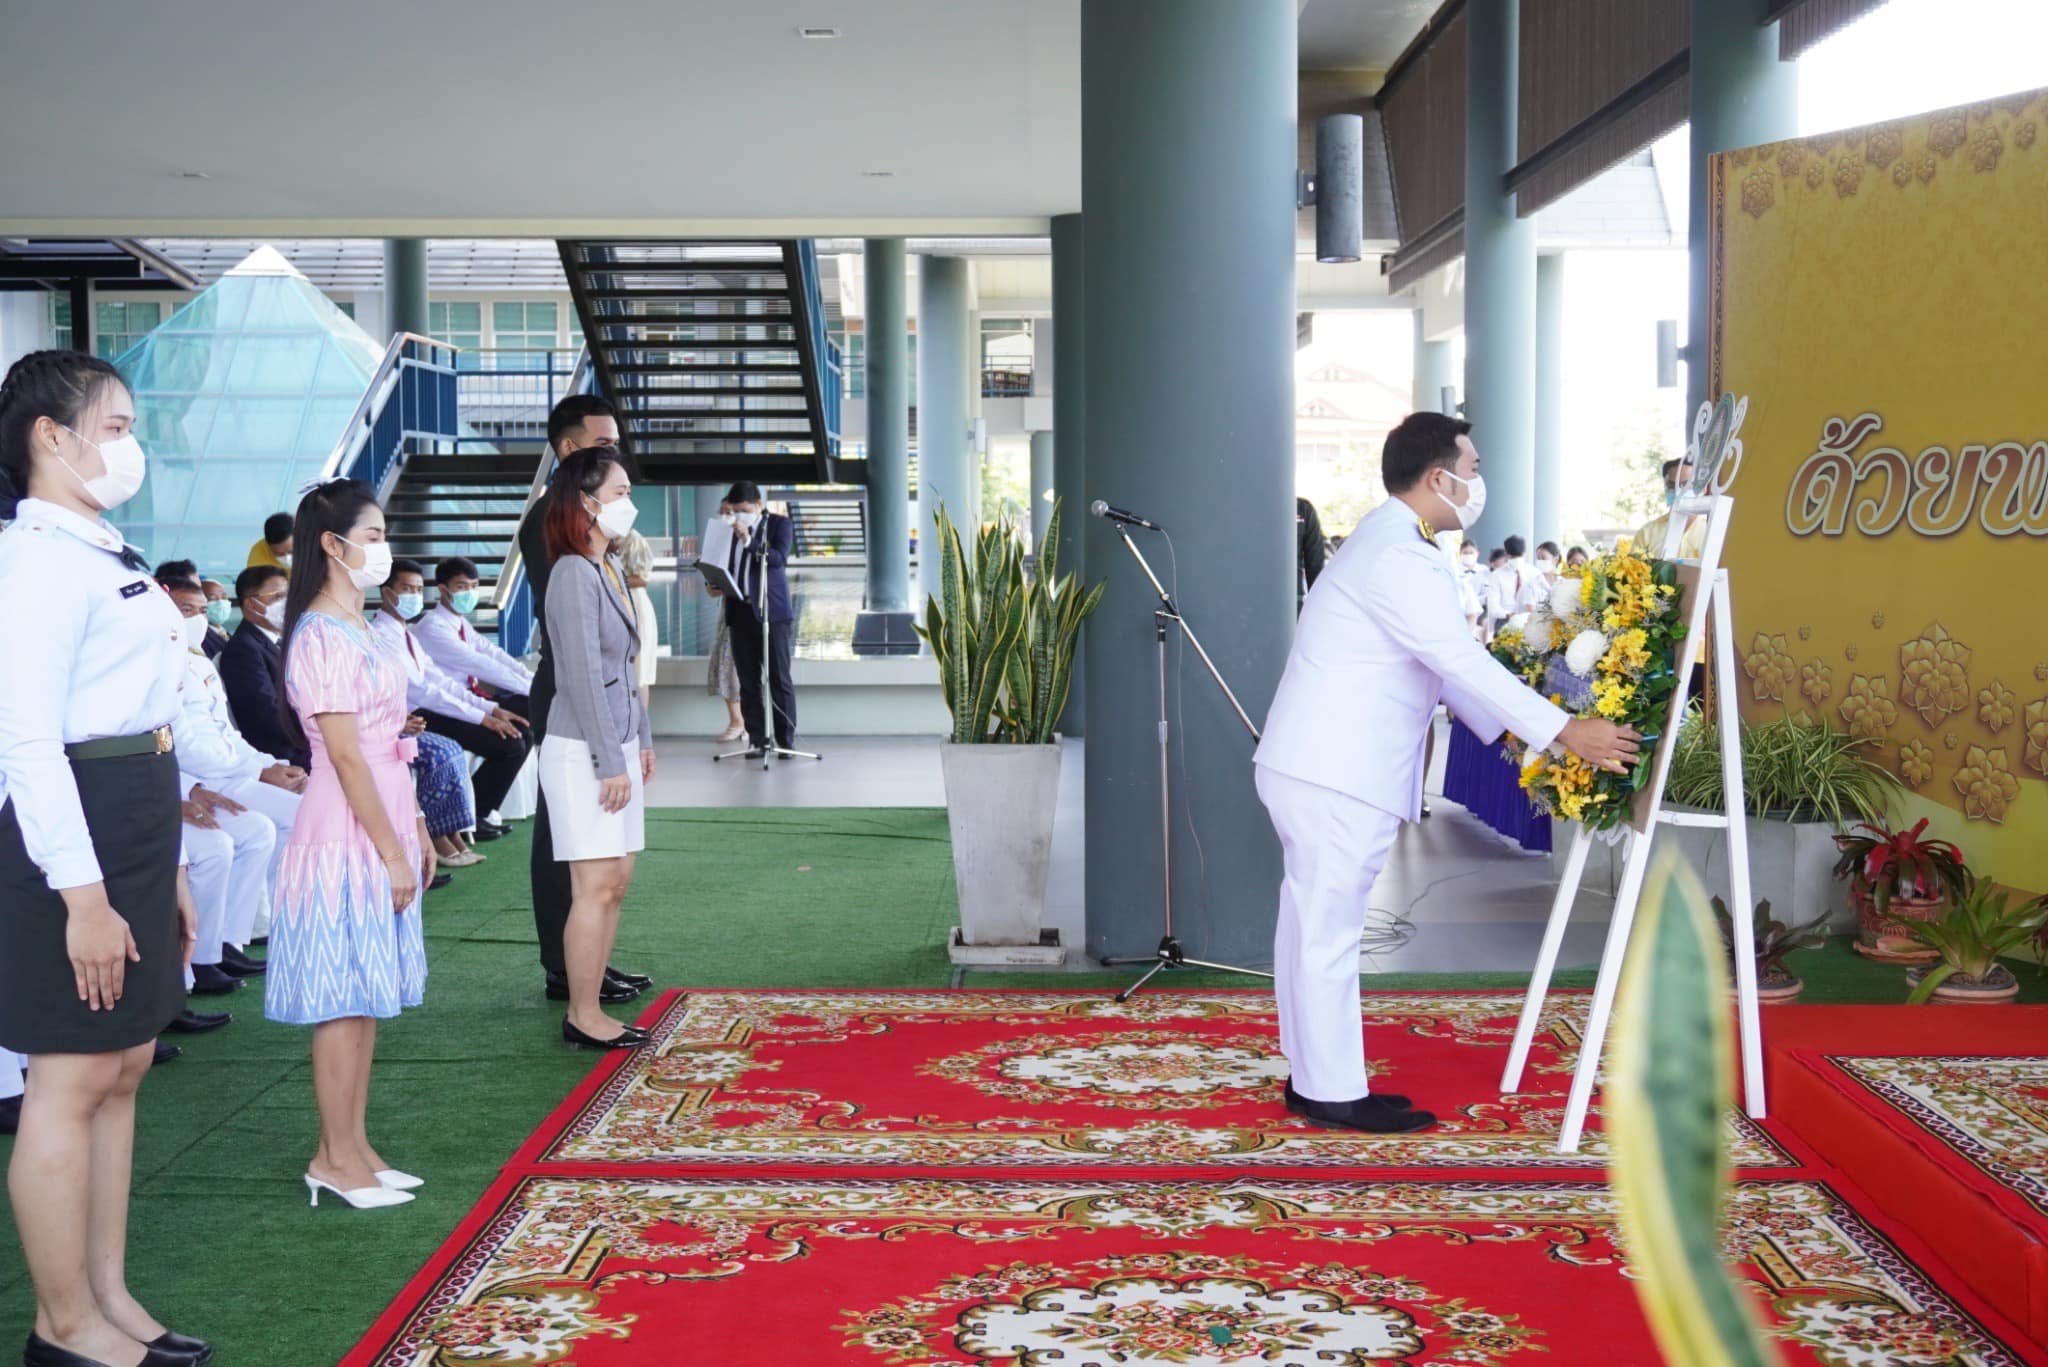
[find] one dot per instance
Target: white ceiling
(534, 118)
(1359, 35)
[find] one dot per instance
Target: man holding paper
(757, 566)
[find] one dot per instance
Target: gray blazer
(592, 636)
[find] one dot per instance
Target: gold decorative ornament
(1816, 682)
(1987, 784)
(1769, 667)
(2035, 753)
(1805, 633)
(1868, 710)
(1849, 652)
(1995, 706)
(1934, 677)
(1877, 619)
(1916, 763)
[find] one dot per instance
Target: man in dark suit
(576, 422)
(760, 560)
(252, 664)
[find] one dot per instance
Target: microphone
(1113, 514)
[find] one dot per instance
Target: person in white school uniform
(98, 909)
(1382, 640)
(445, 633)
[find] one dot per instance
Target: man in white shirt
(1515, 587)
(1381, 642)
(451, 642)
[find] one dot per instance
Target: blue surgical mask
(411, 605)
(463, 601)
(217, 611)
(1671, 498)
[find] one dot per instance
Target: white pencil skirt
(581, 828)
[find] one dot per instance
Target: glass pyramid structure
(240, 397)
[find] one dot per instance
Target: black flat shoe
(198, 1022)
(165, 1053)
(638, 982)
(441, 880)
(237, 964)
(183, 1347)
(1371, 1114)
(633, 1038)
(1295, 1098)
(485, 833)
(209, 980)
(40, 1352)
(608, 992)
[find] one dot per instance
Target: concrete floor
(1454, 897)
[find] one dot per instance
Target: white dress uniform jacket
(460, 649)
(1382, 640)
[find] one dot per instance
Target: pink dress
(336, 948)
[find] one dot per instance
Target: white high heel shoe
(391, 1179)
(361, 1198)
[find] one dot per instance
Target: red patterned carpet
(1046, 1179)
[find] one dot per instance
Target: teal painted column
(1187, 177)
(1742, 95)
(405, 285)
(1069, 409)
(1500, 276)
(1434, 372)
(887, 362)
(1549, 468)
(1041, 485)
(945, 464)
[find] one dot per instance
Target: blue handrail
(830, 364)
(411, 397)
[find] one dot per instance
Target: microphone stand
(1170, 954)
(769, 748)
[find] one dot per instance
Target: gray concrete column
(1069, 387)
(405, 286)
(1187, 174)
(945, 464)
(888, 389)
(1434, 372)
(1549, 466)
(1500, 276)
(1041, 485)
(1742, 95)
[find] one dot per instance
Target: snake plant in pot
(1004, 639)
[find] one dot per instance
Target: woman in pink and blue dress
(345, 944)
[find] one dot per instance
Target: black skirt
(131, 808)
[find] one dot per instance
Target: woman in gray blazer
(599, 751)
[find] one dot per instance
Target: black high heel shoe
(40, 1352)
(632, 1038)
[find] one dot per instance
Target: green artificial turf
(223, 1243)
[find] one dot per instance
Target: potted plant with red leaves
(1771, 940)
(1898, 879)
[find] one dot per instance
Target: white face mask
(729, 519)
(1468, 512)
(192, 631)
(125, 466)
(269, 615)
(376, 564)
(615, 519)
(749, 519)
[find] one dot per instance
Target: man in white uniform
(1382, 640)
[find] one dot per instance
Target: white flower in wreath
(1567, 596)
(1540, 634)
(1584, 652)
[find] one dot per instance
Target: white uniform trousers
(11, 1065)
(230, 876)
(282, 808)
(1335, 846)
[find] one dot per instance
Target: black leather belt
(157, 742)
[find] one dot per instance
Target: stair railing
(514, 592)
(824, 352)
(411, 396)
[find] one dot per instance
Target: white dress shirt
(428, 687)
(210, 750)
(1381, 641)
(460, 649)
(94, 649)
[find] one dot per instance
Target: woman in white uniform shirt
(599, 750)
(98, 917)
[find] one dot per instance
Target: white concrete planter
(999, 804)
(1791, 863)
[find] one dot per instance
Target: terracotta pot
(1779, 989)
(1993, 989)
(1889, 938)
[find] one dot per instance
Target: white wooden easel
(1711, 589)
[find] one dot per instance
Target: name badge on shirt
(136, 589)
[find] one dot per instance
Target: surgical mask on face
(1546, 564)
(285, 561)
(125, 466)
(749, 519)
(1468, 512)
(1671, 498)
(615, 519)
(729, 519)
(217, 612)
(463, 601)
(270, 615)
(192, 631)
(411, 605)
(376, 566)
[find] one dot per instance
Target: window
(853, 363)
(524, 327)
(460, 324)
(347, 307)
(60, 321)
(1005, 357)
(119, 326)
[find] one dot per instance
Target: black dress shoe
(608, 993)
(236, 964)
(198, 1022)
(441, 880)
(182, 1347)
(165, 1053)
(40, 1352)
(1295, 1098)
(1373, 1114)
(632, 1038)
(260, 942)
(210, 980)
(10, 1115)
(638, 982)
(487, 831)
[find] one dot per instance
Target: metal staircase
(716, 356)
(461, 503)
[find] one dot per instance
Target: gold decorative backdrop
(1881, 295)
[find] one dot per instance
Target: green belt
(157, 742)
